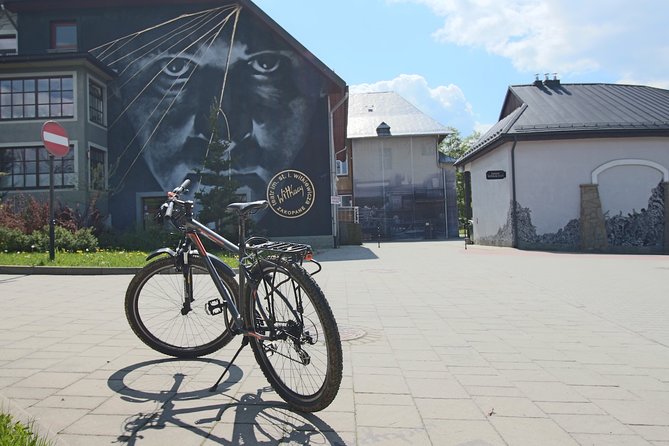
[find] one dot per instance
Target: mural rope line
(129, 39)
(159, 42)
(204, 48)
(220, 25)
(219, 110)
(145, 30)
(164, 114)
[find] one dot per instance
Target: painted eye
(178, 67)
(266, 63)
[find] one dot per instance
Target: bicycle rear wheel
(154, 307)
(303, 359)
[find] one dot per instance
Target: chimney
(537, 82)
(552, 83)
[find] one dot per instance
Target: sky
(455, 59)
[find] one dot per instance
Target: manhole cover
(348, 333)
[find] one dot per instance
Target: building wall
(175, 62)
(82, 134)
(491, 199)
(629, 173)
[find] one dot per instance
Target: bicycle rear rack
(295, 251)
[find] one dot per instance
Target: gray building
(397, 180)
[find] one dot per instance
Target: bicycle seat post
(242, 234)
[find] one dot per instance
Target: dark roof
(337, 82)
(552, 110)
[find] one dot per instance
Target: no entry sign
(55, 139)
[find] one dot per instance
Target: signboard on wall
(495, 175)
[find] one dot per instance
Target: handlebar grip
(168, 211)
(183, 186)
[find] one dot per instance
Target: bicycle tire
(153, 307)
(306, 387)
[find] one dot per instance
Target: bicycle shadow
(223, 420)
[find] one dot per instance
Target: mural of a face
(170, 75)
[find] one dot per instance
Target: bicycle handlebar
(167, 208)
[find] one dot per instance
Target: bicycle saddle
(247, 208)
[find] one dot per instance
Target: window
(342, 167)
(150, 207)
(64, 36)
(97, 169)
(7, 44)
(28, 168)
(346, 200)
(96, 102)
(36, 98)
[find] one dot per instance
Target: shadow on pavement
(247, 420)
(347, 252)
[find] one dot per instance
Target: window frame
(92, 111)
(27, 94)
(54, 44)
(34, 165)
(91, 180)
(341, 167)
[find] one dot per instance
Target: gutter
(514, 211)
(333, 170)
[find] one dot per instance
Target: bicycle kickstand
(245, 342)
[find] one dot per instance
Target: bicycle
(188, 304)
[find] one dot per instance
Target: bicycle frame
(275, 304)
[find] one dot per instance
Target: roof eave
(561, 135)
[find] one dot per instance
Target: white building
(573, 167)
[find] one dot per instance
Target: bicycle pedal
(215, 307)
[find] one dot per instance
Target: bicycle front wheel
(158, 314)
(302, 360)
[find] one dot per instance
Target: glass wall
(399, 188)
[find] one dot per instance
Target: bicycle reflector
(309, 256)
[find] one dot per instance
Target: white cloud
(625, 39)
(444, 103)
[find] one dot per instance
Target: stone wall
(593, 226)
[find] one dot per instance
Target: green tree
(455, 146)
(217, 189)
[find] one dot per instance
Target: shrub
(13, 240)
(22, 228)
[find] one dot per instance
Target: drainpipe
(514, 212)
(333, 171)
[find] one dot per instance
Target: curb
(65, 270)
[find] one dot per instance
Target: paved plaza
(444, 346)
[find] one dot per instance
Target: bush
(14, 240)
(22, 226)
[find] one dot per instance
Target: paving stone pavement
(447, 346)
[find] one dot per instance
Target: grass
(108, 259)
(13, 433)
(100, 259)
